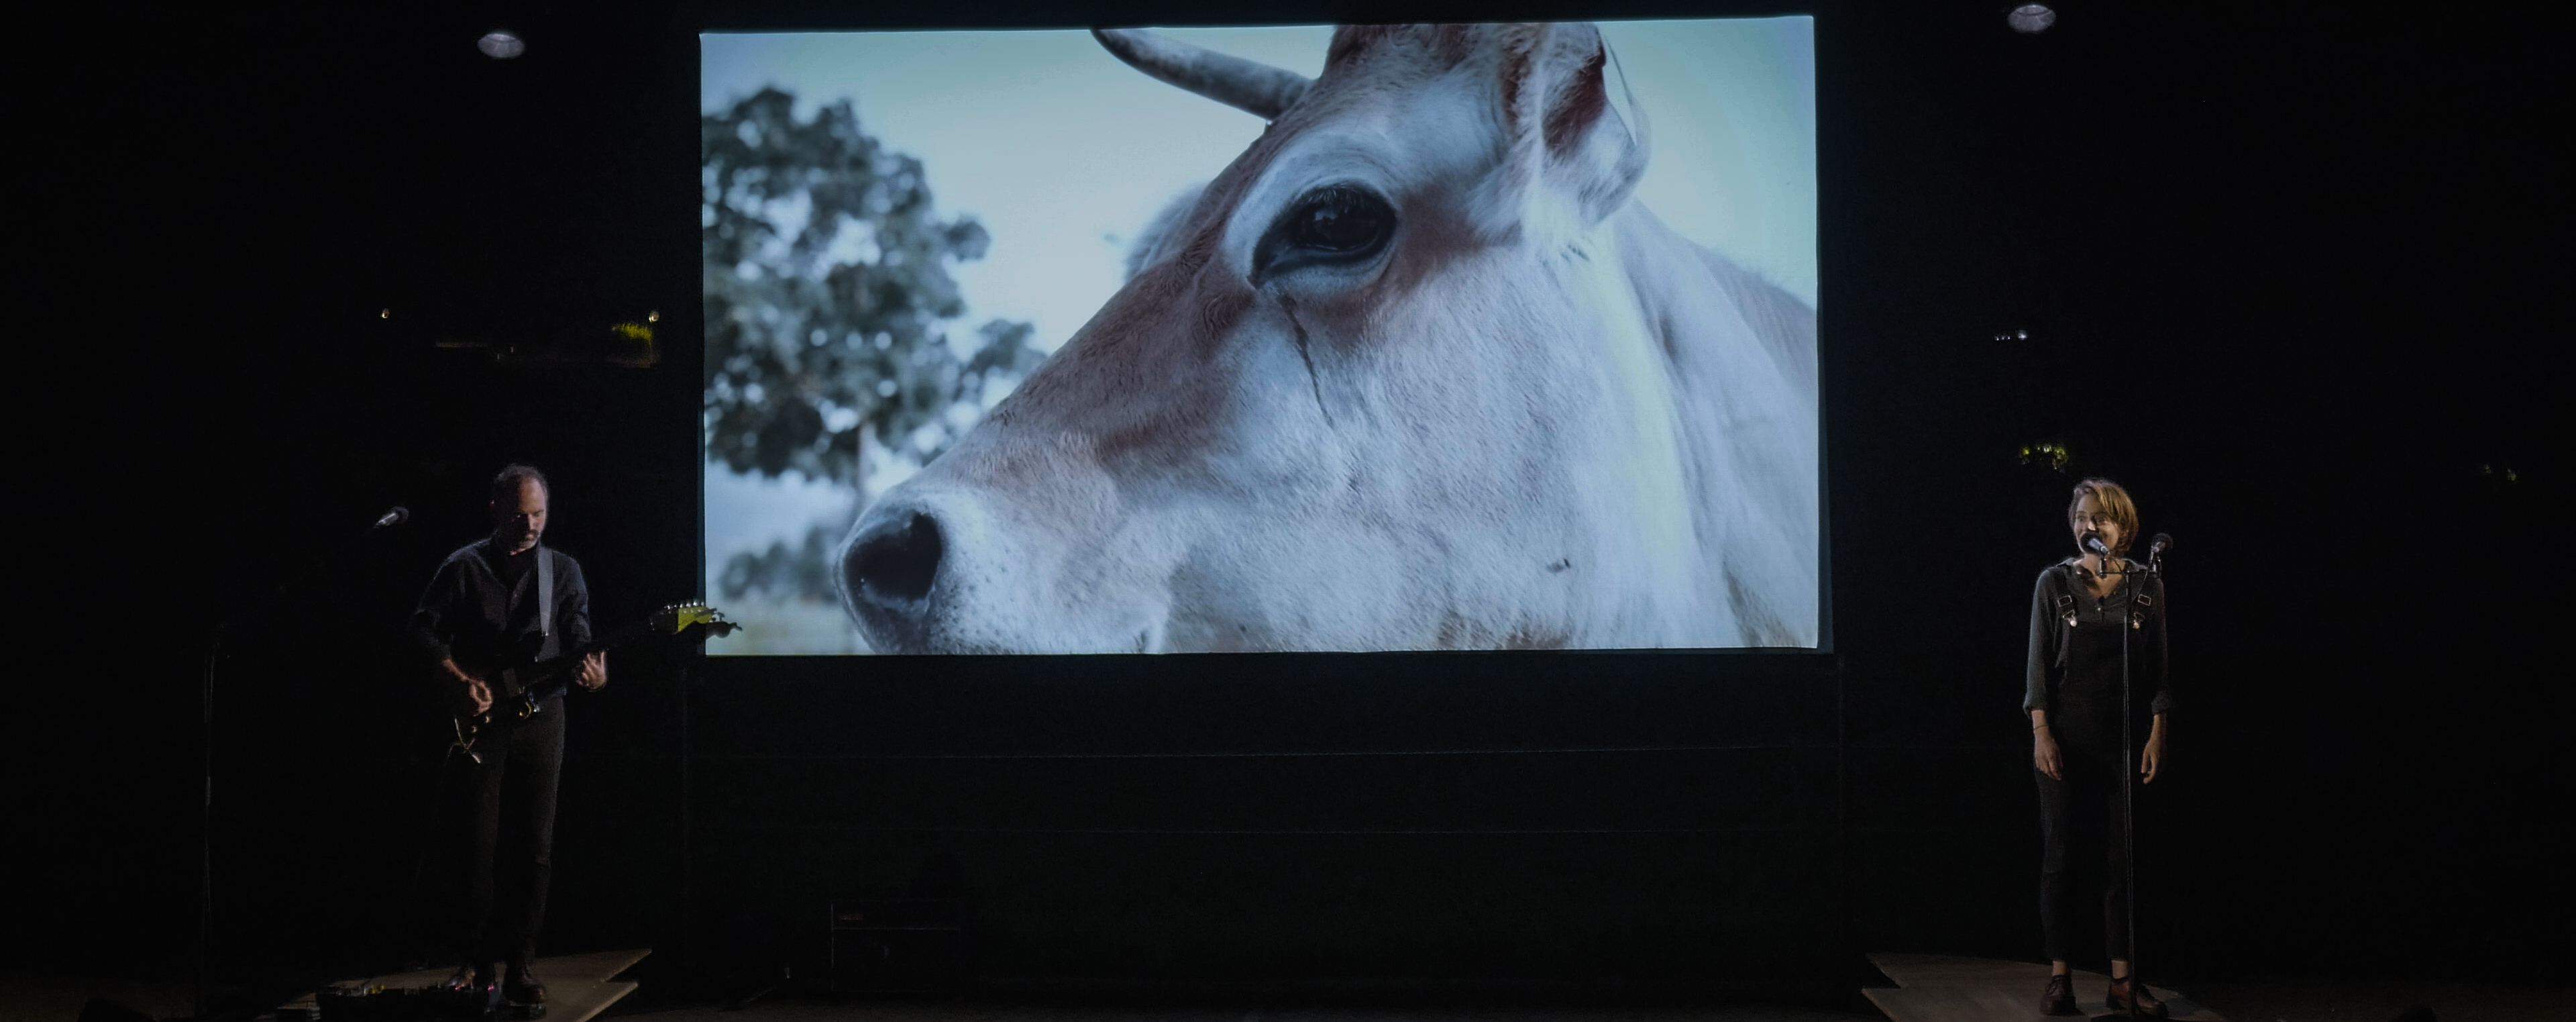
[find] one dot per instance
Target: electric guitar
(521, 684)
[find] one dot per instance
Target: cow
(1413, 372)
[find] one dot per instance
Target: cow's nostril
(898, 564)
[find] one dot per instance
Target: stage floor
(41, 997)
(578, 987)
(968, 1011)
(1951, 988)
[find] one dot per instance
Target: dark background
(2288, 275)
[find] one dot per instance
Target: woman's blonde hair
(2113, 501)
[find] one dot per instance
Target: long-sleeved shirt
(481, 607)
(2054, 668)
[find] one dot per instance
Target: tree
(802, 572)
(827, 299)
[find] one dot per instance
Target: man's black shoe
(523, 987)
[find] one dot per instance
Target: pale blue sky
(1063, 152)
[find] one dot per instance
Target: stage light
(654, 316)
(386, 314)
(2031, 19)
(501, 45)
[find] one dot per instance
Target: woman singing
(2080, 613)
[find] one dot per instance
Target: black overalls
(2076, 676)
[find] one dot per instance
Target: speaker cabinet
(901, 946)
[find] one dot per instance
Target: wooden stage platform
(578, 987)
(1949, 988)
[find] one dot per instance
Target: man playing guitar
(501, 601)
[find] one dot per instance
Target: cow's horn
(1242, 84)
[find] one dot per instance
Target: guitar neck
(612, 640)
(548, 677)
(544, 679)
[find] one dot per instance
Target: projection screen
(1275, 339)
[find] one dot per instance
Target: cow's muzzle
(944, 569)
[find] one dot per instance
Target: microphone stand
(2129, 622)
(206, 732)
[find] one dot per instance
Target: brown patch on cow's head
(1352, 41)
(1139, 382)
(1436, 235)
(1458, 632)
(1530, 636)
(1513, 80)
(1447, 44)
(1220, 313)
(1582, 103)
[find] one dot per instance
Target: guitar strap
(546, 598)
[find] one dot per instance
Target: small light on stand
(2031, 19)
(635, 350)
(654, 316)
(386, 314)
(2051, 454)
(501, 45)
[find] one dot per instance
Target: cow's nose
(896, 561)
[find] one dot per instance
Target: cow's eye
(1340, 220)
(1333, 225)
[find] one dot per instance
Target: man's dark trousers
(506, 821)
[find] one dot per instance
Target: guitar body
(521, 683)
(518, 695)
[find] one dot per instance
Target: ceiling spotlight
(2027, 19)
(503, 45)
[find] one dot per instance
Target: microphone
(2156, 547)
(2093, 542)
(397, 516)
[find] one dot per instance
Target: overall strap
(2065, 610)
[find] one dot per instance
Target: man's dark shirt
(482, 605)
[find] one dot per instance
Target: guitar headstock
(680, 617)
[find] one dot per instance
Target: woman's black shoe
(2060, 997)
(2130, 997)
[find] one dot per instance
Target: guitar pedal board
(436, 1003)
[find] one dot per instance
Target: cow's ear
(1572, 158)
